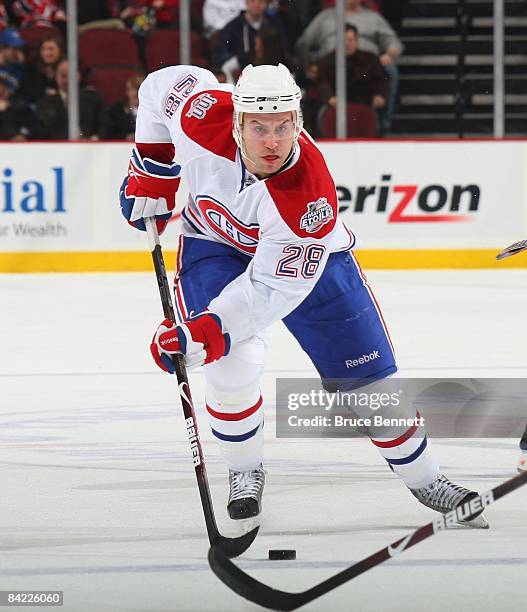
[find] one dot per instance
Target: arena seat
(162, 49)
(34, 35)
(361, 122)
(110, 81)
(103, 47)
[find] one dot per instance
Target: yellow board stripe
(139, 261)
(75, 261)
(446, 259)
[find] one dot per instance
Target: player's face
(268, 139)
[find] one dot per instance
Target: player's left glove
(149, 190)
(201, 339)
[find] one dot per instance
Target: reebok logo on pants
(353, 363)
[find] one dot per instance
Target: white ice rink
(98, 495)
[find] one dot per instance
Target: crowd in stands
(120, 41)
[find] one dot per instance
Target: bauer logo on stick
(318, 214)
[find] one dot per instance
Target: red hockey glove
(149, 190)
(200, 339)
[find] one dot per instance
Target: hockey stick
(250, 588)
(513, 249)
(230, 547)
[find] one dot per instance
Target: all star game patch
(318, 214)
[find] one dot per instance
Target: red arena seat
(35, 35)
(110, 81)
(162, 49)
(102, 47)
(361, 121)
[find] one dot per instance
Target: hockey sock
(238, 429)
(411, 456)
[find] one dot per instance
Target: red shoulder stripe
(305, 194)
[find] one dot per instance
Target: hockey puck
(282, 555)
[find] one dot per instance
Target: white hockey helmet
(265, 89)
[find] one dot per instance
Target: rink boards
(411, 204)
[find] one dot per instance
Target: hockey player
(261, 241)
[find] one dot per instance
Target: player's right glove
(149, 190)
(201, 339)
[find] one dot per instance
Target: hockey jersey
(287, 223)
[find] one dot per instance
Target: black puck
(282, 555)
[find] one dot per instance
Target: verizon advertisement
(431, 194)
(62, 197)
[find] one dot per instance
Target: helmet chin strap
(244, 154)
(237, 134)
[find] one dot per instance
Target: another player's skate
(443, 496)
(245, 498)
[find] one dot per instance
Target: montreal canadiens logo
(318, 214)
(242, 236)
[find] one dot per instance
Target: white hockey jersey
(286, 223)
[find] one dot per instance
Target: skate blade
(247, 524)
(480, 522)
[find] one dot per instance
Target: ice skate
(245, 497)
(522, 462)
(443, 496)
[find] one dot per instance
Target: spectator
(12, 68)
(41, 73)
(376, 36)
(119, 120)
(38, 12)
(15, 118)
(52, 110)
(367, 81)
(237, 39)
(367, 88)
(218, 13)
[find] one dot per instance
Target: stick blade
(234, 547)
(246, 586)
(513, 249)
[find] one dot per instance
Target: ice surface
(98, 496)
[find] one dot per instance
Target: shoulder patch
(206, 119)
(305, 194)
